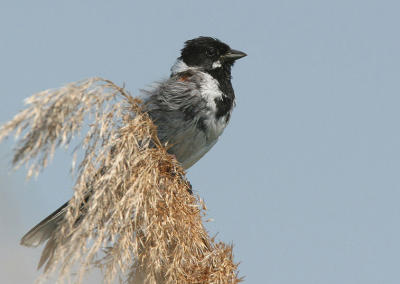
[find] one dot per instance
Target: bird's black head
(209, 53)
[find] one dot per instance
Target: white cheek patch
(216, 64)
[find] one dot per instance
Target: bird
(191, 109)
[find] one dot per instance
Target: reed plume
(131, 213)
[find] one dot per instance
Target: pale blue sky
(304, 181)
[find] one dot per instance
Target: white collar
(179, 66)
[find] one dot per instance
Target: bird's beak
(233, 55)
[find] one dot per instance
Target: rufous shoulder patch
(184, 76)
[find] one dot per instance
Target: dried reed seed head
(131, 213)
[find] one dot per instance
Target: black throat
(227, 101)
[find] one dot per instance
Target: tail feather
(42, 231)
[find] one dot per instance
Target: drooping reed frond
(131, 213)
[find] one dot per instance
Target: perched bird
(191, 110)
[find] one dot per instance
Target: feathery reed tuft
(131, 213)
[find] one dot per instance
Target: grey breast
(178, 109)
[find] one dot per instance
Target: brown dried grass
(141, 224)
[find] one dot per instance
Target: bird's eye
(210, 52)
